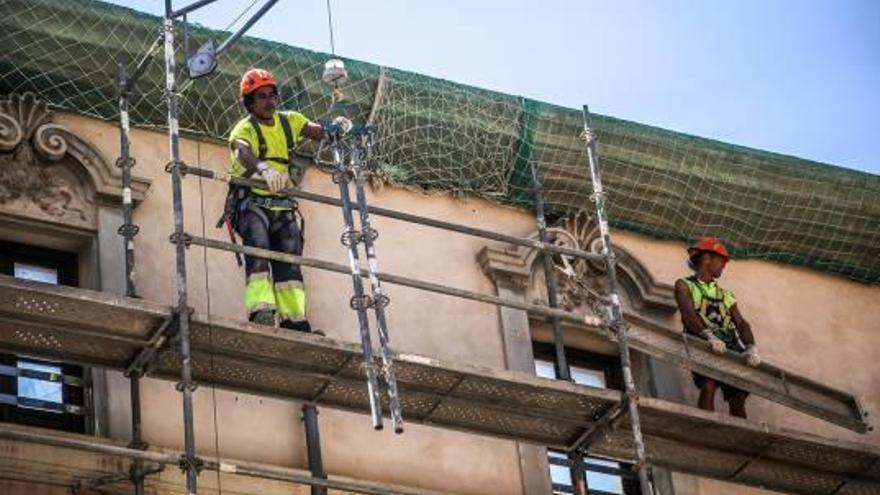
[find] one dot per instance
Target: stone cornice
(505, 266)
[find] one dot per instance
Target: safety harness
(240, 198)
(714, 313)
(261, 140)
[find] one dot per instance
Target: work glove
(344, 124)
(752, 356)
(717, 345)
(274, 179)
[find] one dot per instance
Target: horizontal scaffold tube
(397, 280)
(402, 216)
(249, 469)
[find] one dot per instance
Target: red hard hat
(254, 79)
(708, 245)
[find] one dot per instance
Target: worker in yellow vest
(711, 313)
(262, 146)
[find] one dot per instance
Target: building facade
(64, 219)
(805, 274)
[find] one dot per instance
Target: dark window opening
(604, 476)
(33, 391)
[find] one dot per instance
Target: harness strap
(272, 202)
(288, 134)
(261, 140)
(259, 212)
(705, 299)
(704, 310)
(725, 316)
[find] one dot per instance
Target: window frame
(74, 411)
(610, 368)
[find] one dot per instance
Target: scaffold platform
(99, 329)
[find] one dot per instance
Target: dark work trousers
(273, 285)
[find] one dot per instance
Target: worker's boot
(300, 326)
(263, 317)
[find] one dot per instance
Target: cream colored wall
(812, 323)
(268, 430)
(815, 324)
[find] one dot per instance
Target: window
(33, 391)
(604, 477)
(40, 387)
(35, 272)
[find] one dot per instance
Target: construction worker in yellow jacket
(711, 313)
(262, 147)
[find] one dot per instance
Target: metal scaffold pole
(399, 215)
(189, 462)
(617, 324)
(563, 371)
(536, 309)
(137, 442)
(361, 152)
(128, 230)
(350, 238)
(125, 162)
(313, 447)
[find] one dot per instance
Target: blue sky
(796, 77)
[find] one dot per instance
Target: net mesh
(435, 135)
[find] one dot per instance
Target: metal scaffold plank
(768, 381)
(49, 321)
(714, 445)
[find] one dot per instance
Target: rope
(189, 82)
(210, 323)
(245, 11)
(330, 26)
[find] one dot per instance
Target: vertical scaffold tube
(313, 447)
(137, 442)
(189, 462)
(350, 238)
(617, 324)
(127, 230)
(563, 371)
(380, 300)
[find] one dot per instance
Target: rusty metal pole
(618, 326)
(563, 370)
(189, 462)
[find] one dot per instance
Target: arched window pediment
(48, 173)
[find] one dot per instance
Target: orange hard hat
(708, 245)
(254, 79)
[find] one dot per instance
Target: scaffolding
(114, 332)
(143, 338)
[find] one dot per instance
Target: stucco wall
(819, 325)
(270, 431)
(815, 324)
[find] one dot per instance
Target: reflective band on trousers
(258, 293)
(291, 300)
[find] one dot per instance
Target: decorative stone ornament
(48, 173)
(582, 284)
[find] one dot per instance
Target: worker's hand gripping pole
(360, 301)
(360, 153)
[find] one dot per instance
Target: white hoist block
(335, 73)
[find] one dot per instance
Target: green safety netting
(436, 135)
